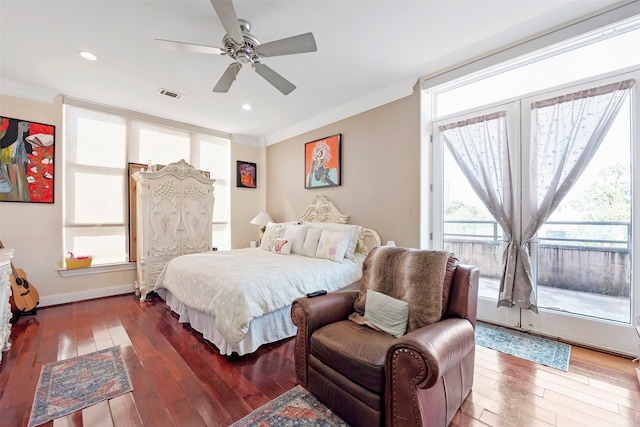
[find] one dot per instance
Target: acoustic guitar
(24, 296)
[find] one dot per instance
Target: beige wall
(380, 189)
(246, 202)
(35, 230)
(381, 172)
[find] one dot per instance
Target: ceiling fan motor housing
(244, 53)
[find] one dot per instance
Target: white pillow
(282, 246)
(296, 233)
(332, 245)
(353, 230)
(310, 244)
(274, 230)
(389, 314)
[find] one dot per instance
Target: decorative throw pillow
(353, 230)
(282, 246)
(310, 245)
(296, 233)
(332, 245)
(274, 230)
(390, 315)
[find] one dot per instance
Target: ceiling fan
(244, 48)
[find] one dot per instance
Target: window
(534, 173)
(98, 146)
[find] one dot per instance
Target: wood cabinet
(174, 209)
(5, 292)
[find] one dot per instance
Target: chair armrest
(420, 358)
(314, 313)
(309, 314)
(463, 300)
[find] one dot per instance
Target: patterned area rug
(530, 347)
(297, 407)
(69, 385)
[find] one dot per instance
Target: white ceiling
(369, 52)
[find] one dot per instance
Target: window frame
(197, 136)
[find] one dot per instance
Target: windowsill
(105, 268)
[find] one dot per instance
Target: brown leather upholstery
(370, 378)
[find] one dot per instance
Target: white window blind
(98, 146)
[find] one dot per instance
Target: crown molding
(349, 109)
(27, 91)
(248, 140)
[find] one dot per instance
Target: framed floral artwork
(27, 151)
(323, 162)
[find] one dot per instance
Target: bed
(241, 299)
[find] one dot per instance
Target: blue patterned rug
(69, 385)
(297, 407)
(525, 346)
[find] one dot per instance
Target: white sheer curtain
(566, 132)
(480, 147)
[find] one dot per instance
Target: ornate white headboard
(322, 209)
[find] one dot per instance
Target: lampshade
(263, 218)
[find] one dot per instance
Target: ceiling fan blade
(227, 15)
(228, 77)
(297, 44)
(189, 47)
(279, 82)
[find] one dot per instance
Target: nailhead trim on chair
(412, 383)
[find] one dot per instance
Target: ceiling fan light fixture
(243, 57)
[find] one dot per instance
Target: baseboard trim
(86, 295)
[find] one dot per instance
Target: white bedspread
(239, 285)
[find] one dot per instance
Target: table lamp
(263, 218)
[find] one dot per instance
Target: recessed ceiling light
(246, 107)
(88, 55)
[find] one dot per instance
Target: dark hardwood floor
(180, 380)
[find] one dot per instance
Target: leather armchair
(370, 378)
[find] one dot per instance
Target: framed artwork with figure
(246, 174)
(27, 150)
(323, 162)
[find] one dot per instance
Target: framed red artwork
(323, 162)
(27, 152)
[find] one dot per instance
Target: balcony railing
(557, 233)
(586, 256)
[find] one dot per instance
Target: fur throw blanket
(411, 275)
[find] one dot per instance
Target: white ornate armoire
(174, 209)
(5, 292)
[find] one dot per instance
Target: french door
(583, 254)
(462, 222)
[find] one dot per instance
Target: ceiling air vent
(170, 93)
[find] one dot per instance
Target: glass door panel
(582, 255)
(462, 222)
